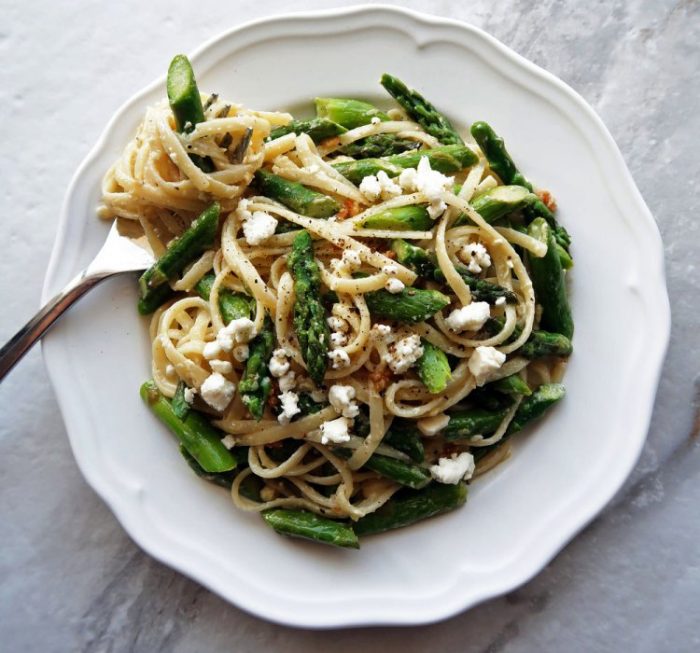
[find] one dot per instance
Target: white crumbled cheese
(222, 367)
(243, 204)
(436, 208)
(279, 364)
(189, 394)
(407, 179)
(391, 269)
(341, 397)
(382, 330)
(351, 259)
(290, 406)
(339, 358)
(500, 301)
(375, 120)
(374, 187)
(169, 370)
(217, 391)
(241, 353)
(453, 469)
(239, 331)
(394, 286)
(259, 227)
(404, 353)
(337, 323)
(211, 350)
(425, 180)
(484, 361)
(288, 381)
(468, 318)
(430, 426)
(476, 256)
(228, 441)
(335, 431)
(338, 339)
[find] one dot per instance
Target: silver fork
(121, 252)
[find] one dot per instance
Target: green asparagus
(512, 385)
(564, 257)
(222, 479)
(434, 368)
(465, 424)
(548, 282)
(409, 305)
(318, 128)
(233, 305)
(400, 218)
(297, 197)
(195, 433)
(255, 385)
(378, 145)
(405, 437)
(422, 111)
(195, 240)
(307, 525)
(498, 202)
(399, 471)
(543, 343)
(309, 317)
(348, 113)
(495, 151)
(183, 94)
(411, 506)
(179, 403)
(445, 159)
(308, 406)
(425, 265)
(154, 299)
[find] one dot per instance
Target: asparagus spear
(512, 385)
(178, 402)
(297, 197)
(445, 159)
(564, 257)
(195, 240)
(425, 264)
(548, 281)
(422, 111)
(309, 317)
(255, 384)
(183, 94)
(233, 305)
(403, 473)
(495, 151)
(465, 424)
(498, 202)
(195, 433)
(530, 409)
(222, 479)
(307, 525)
(378, 145)
(409, 305)
(318, 128)
(544, 343)
(348, 113)
(400, 218)
(412, 506)
(405, 437)
(434, 368)
(155, 298)
(308, 406)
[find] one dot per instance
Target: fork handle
(23, 340)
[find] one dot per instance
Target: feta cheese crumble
(338, 339)
(394, 286)
(341, 397)
(211, 350)
(404, 353)
(430, 426)
(339, 358)
(428, 181)
(259, 227)
(476, 256)
(222, 367)
(239, 331)
(241, 353)
(335, 431)
(484, 361)
(453, 469)
(228, 441)
(279, 363)
(290, 406)
(189, 394)
(288, 381)
(374, 187)
(468, 318)
(217, 391)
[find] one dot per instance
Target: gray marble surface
(72, 580)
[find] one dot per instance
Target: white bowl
(562, 472)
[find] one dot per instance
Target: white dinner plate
(519, 516)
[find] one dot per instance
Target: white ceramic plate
(518, 517)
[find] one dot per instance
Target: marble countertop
(72, 580)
